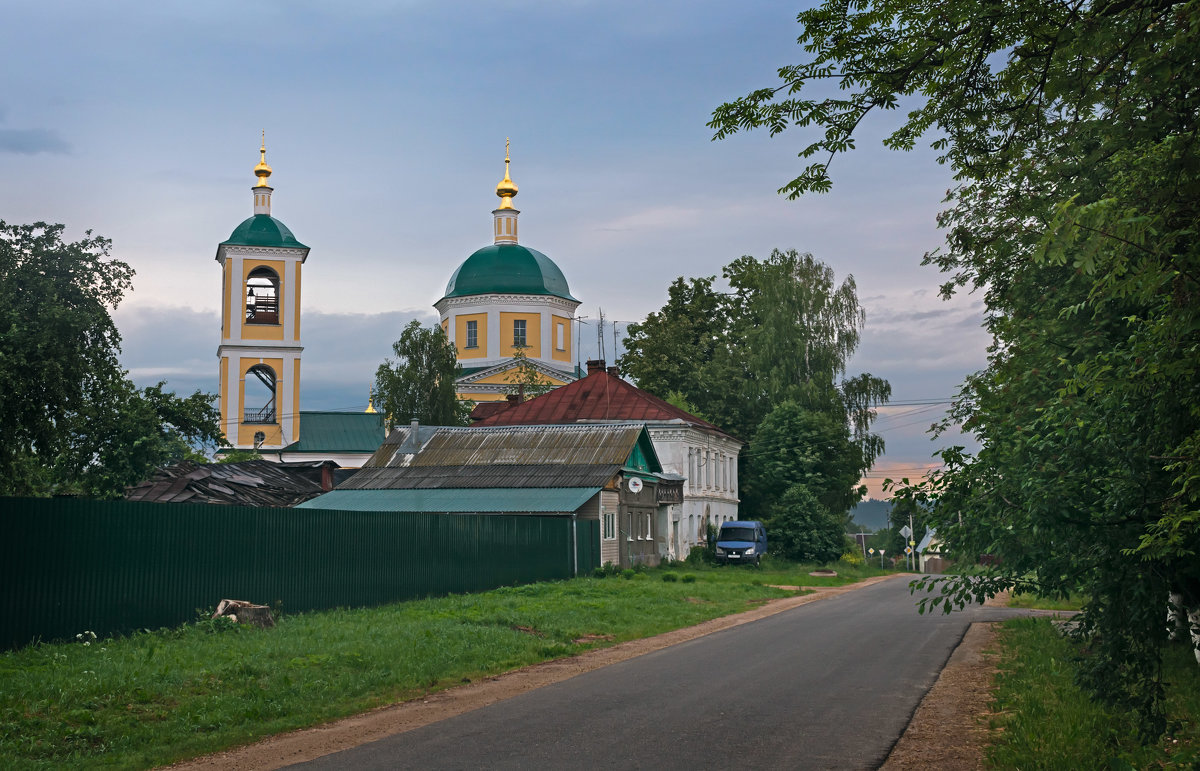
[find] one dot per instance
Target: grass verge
(1042, 720)
(160, 696)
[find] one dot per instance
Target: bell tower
(260, 326)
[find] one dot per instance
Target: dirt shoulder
(310, 743)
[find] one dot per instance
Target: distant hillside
(871, 514)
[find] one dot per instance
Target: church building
(260, 348)
(506, 300)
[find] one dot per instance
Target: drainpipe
(574, 546)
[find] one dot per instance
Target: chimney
(412, 428)
(614, 372)
(595, 365)
(513, 400)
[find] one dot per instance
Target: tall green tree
(419, 383)
(780, 338)
(1072, 131)
(71, 422)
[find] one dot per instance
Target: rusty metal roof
(247, 483)
(600, 396)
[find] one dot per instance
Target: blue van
(741, 542)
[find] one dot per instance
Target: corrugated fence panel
(67, 566)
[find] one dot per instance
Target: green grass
(1074, 602)
(158, 697)
(778, 572)
(1043, 720)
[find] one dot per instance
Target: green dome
(263, 230)
(508, 269)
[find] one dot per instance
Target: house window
(472, 334)
(519, 333)
(648, 523)
(610, 525)
(629, 526)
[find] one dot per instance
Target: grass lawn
(157, 697)
(1042, 720)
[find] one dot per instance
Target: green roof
(326, 432)
(508, 269)
(263, 230)
(486, 500)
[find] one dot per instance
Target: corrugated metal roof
(498, 475)
(327, 432)
(550, 500)
(596, 444)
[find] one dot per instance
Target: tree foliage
(525, 379)
(71, 422)
(419, 383)
(780, 340)
(802, 529)
(1072, 130)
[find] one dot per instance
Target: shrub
(599, 572)
(628, 573)
(670, 577)
(610, 569)
(689, 578)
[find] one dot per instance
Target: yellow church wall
(296, 401)
(533, 332)
(564, 353)
(460, 336)
(470, 396)
(296, 294)
(227, 421)
(272, 433)
(226, 326)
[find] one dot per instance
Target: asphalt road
(827, 685)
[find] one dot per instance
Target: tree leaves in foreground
(419, 384)
(1072, 130)
(71, 422)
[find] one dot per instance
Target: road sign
(872, 550)
(906, 531)
(908, 550)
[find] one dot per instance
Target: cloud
(32, 142)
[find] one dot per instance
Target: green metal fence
(67, 566)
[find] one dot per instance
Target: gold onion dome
(262, 170)
(507, 188)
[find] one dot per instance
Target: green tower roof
(263, 230)
(508, 269)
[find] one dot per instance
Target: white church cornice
(486, 301)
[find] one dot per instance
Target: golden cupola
(505, 216)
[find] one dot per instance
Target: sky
(385, 125)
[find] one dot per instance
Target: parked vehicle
(741, 541)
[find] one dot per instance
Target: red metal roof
(599, 396)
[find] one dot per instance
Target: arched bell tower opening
(262, 296)
(260, 349)
(260, 390)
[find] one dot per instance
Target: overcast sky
(385, 126)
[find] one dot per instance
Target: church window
(519, 333)
(560, 336)
(262, 296)
(472, 334)
(260, 388)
